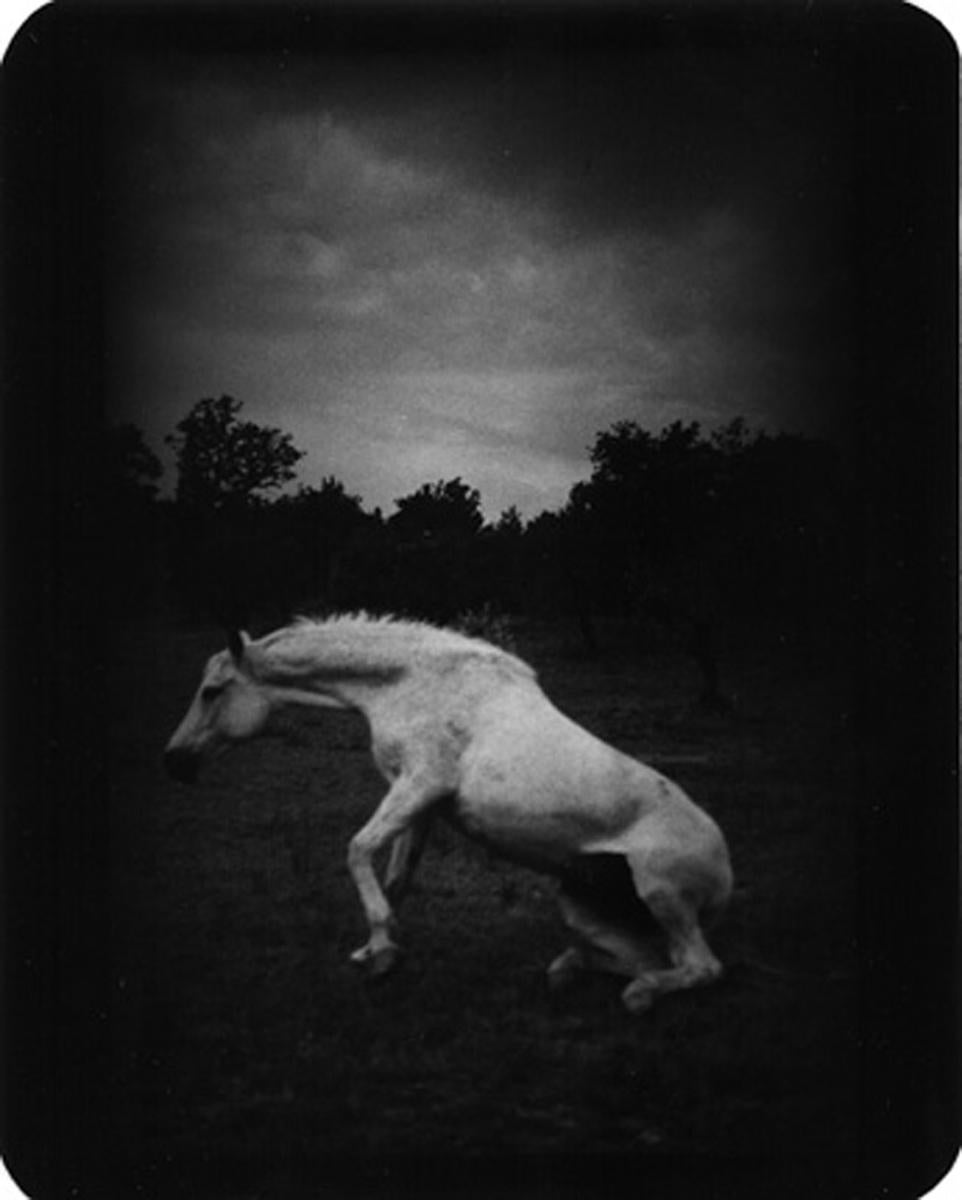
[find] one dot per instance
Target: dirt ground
(242, 1037)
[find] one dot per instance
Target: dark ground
(243, 1043)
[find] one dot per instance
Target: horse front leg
(394, 818)
(406, 851)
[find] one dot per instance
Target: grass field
(243, 1038)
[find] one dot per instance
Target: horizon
(166, 485)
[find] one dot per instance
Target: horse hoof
(376, 961)
(638, 997)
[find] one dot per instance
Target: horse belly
(538, 788)
(513, 833)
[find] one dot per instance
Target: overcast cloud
(432, 265)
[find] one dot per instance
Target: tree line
(678, 527)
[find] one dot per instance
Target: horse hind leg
(692, 962)
(599, 946)
(613, 933)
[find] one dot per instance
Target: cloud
(467, 280)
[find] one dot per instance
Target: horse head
(228, 706)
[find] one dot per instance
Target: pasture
(247, 1053)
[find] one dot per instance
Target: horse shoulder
(427, 722)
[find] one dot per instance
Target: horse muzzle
(182, 765)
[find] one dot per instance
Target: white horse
(462, 728)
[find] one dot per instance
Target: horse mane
(359, 644)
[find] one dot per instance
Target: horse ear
(236, 642)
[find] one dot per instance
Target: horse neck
(329, 671)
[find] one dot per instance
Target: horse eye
(212, 691)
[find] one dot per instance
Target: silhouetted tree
(443, 511)
(222, 460)
(651, 495)
(131, 469)
(509, 524)
(436, 537)
(502, 561)
(322, 525)
(227, 559)
(553, 574)
(687, 531)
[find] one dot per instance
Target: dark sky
(428, 257)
